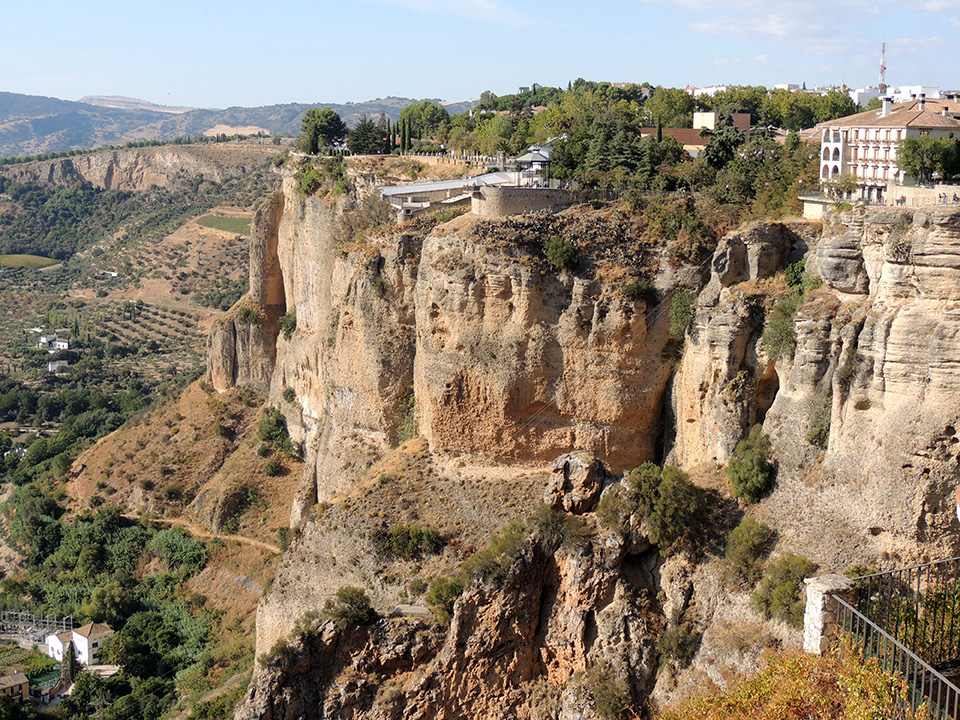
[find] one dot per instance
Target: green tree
(350, 606)
(750, 473)
(778, 595)
(425, 118)
(320, 127)
(920, 157)
(366, 138)
(670, 107)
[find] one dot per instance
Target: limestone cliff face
(500, 355)
(243, 351)
(879, 346)
(496, 357)
(134, 169)
(515, 649)
(519, 363)
(875, 354)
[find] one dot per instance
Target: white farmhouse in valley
(57, 644)
(87, 642)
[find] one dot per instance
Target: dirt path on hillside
(200, 533)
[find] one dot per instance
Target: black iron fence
(918, 606)
(929, 694)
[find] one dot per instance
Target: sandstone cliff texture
(490, 354)
(496, 353)
(515, 648)
(874, 360)
(134, 169)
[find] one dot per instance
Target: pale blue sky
(210, 53)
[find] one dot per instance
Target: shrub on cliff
(747, 545)
(561, 254)
(609, 693)
(640, 290)
(778, 595)
(350, 606)
(779, 337)
(679, 642)
(681, 309)
(750, 473)
(288, 323)
(676, 509)
(272, 428)
(493, 562)
(667, 502)
(818, 433)
(406, 542)
(442, 595)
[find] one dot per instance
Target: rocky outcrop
(516, 648)
(872, 371)
(883, 362)
(725, 384)
(577, 483)
(135, 169)
(242, 345)
(483, 345)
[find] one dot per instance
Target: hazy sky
(215, 54)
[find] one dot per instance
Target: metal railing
(928, 693)
(918, 606)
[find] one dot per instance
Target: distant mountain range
(31, 124)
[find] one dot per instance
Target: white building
(865, 145)
(87, 642)
(57, 644)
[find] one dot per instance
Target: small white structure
(46, 341)
(57, 644)
(61, 345)
(87, 640)
(57, 365)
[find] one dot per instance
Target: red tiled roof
(92, 631)
(902, 115)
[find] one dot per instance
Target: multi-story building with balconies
(865, 145)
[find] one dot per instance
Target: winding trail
(199, 532)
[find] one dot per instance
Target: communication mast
(882, 85)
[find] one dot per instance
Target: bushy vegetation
(839, 685)
(441, 596)
(779, 593)
(288, 323)
(748, 545)
(818, 433)
(561, 254)
(679, 642)
(640, 290)
(779, 337)
(272, 428)
(609, 694)
(492, 563)
(681, 310)
(751, 474)
(405, 542)
(555, 527)
(668, 504)
(350, 606)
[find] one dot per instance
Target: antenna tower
(882, 86)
